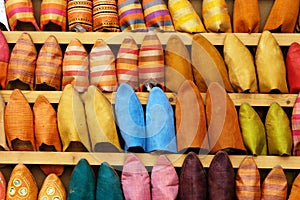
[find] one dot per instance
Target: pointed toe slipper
(52, 188)
(3, 143)
(292, 66)
(4, 60)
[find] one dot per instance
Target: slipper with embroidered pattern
(52, 188)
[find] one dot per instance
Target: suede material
(293, 67)
(52, 187)
(4, 59)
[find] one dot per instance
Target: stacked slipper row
(236, 69)
(133, 181)
(149, 15)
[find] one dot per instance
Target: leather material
(52, 188)
(4, 59)
(295, 191)
(292, 65)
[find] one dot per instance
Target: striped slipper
(75, 66)
(4, 59)
(3, 17)
(131, 16)
(296, 127)
(293, 67)
(48, 66)
(21, 68)
(53, 15)
(102, 67)
(52, 188)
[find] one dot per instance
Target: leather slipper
(52, 188)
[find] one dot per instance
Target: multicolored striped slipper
(102, 67)
(293, 67)
(21, 15)
(131, 16)
(52, 188)
(105, 16)
(4, 59)
(22, 63)
(157, 16)
(295, 120)
(53, 15)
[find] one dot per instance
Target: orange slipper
(80, 15)
(18, 122)
(21, 184)
(4, 59)
(46, 132)
(52, 188)
(3, 143)
(2, 187)
(295, 191)
(48, 66)
(21, 66)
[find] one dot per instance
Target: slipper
(102, 67)
(20, 15)
(75, 67)
(3, 143)
(184, 17)
(52, 188)
(295, 191)
(215, 16)
(21, 184)
(108, 183)
(127, 63)
(160, 128)
(4, 59)
(167, 187)
(135, 179)
(102, 130)
(295, 127)
(46, 132)
(130, 119)
(48, 66)
(21, 68)
(151, 63)
(270, 66)
(53, 15)
(292, 66)
(19, 124)
(192, 181)
(190, 119)
(208, 65)
(3, 17)
(178, 64)
(248, 180)
(246, 16)
(105, 16)
(243, 79)
(157, 16)
(131, 16)
(2, 186)
(80, 15)
(71, 121)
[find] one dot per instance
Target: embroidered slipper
(76, 66)
(184, 17)
(80, 15)
(53, 15)
(160, 128)
(102, 67)
(3, 143)
(3, 17)
(292, 66)
(4, 59)
(131, 16)
(208, 64)
(222, 121)
(167, 187)
(105, 16)
(127, 63)
(157, 16)
(295, 127)
(246, 16)
(178, 64)
(102, 130)
(21, 184)
(18, 122)
(130, 119)
(243, 79)
(151, 63)
(71, 121)
(135, 179)
(216, 17)
(52, 188)
(21, 68)
(21, 15)
(48, 66)
(192, 181)
(270, 66)
(248, 180)
(295, 191)
(2, 187)
(190, 119)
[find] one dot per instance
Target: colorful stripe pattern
(184, 17)
(216, 17)
(4, 59)
(157, 16)
(105, 16)
(76, 66)
(48, 65)
(54, 11)
(131, 16)
(151, 62)
(22, 61)
(127, 63)
(295, 120)
(80, 15)
(102, 67)
(20, 11)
